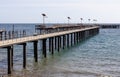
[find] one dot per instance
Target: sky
(57, 11)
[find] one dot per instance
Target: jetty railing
(39, 30)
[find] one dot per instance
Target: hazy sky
(29, 11)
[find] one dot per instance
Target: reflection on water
(98, 56)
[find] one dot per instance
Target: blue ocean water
(97, 56)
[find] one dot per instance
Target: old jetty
(59, 37)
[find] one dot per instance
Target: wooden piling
(71, 39)
(24, 55)
(82, 35)
(35, 43)
(52, 45)
(74, 38)
(68, 40)
(9, 59)
(58, 43)
(64, 41)
(44, 47)
(77, 38)
(55, 43)
(12, 55)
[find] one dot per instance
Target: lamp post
(81, 20)
(89, 21)
(44, 15)
(13, 27)
(68, 20)
(94, 20)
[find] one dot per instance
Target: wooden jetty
(56, 39)
(109, 26)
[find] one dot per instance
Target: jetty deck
(10, 42)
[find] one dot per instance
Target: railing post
(0, 36)
(5, 35)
